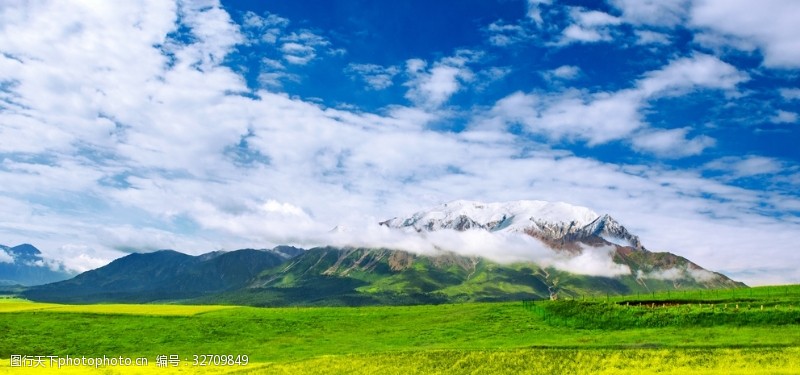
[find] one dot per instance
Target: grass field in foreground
(458, 338)
(716, 361)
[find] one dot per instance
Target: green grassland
(765, 306)
(19, 305)
(660, 334)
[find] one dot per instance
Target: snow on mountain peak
(508, 216)
(548, 221)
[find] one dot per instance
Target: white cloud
(298, 54)
(790, 93)
(589, 26)
(647, 37)
(439, 85)
(565, 72)
(674, 274)
(275, 80)
(594, 262)
(671, 143)
(5, 257)
(488, 76)
(701, 275)
(771, 24)
(597, 118)
(284, 209)
(432, 87)
(691, 73)
(721, 43)
(498, 247)
(215, 32)
(784, 117)
(298, 47)
(580, 34)
(662, 13)
(502, 34)
(307, 37)
(272, 64)
(602, 117)
(273, 74)
(303, 46)
(376, 77)
(534, 11)
(266, 29)
(747, 166)
(269, 20)
(594, 18)
(80, 258)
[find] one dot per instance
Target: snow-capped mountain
(593, 255)
(552, 222)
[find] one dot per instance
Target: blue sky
(204, 125)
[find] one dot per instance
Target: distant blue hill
(24, 265)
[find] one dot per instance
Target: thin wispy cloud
(376, 77)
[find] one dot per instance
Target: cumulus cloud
(771, 25)
(684, 74)
(432, 86)
(564, 72)
(598, 118)
(768, 26)
(602, 117)
(80, 258)
(790, 94)
(589, 26)
(784, 117)
(5, 257)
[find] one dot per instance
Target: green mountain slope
(159, 276)
(328, 276)
(355, 276)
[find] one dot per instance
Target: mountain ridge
(24, 265)
(547, 221)
(160, 275)
(586, 253)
